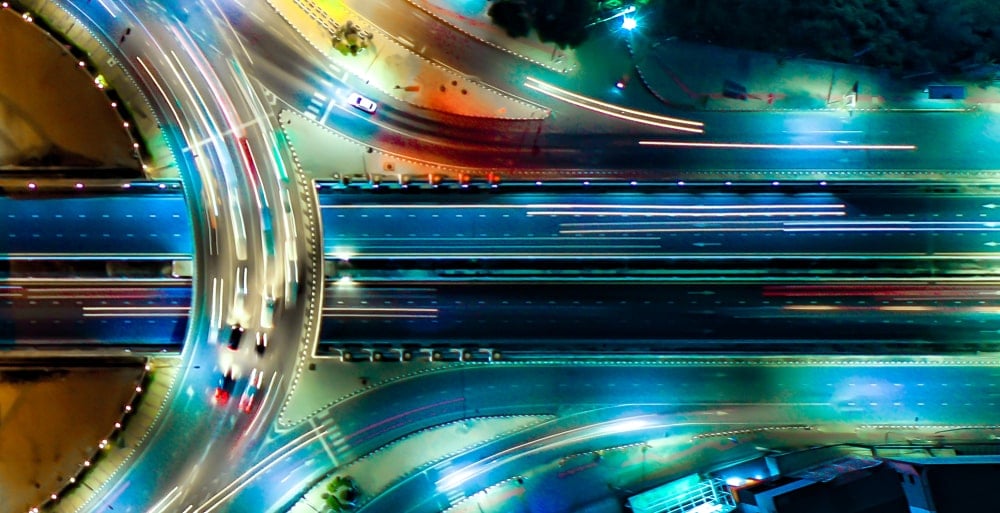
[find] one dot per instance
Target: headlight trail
(615, 111)
(757, 146)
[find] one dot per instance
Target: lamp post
(628, 20)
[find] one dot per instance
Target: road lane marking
(326, 446)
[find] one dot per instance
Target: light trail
(615, 111)
(96, 256)
(987, 224)
(136, 311)
(479, 239)
(215, 311)
(381, 316)
(756, 146)
(348, 437)
(163, 94)
(689, 207)
(683, 214)
(87, 293)
(265, 464)
(993, 310)
(529, 206)
(378, 309)
(891, 229)
(925, 291)
(665, 230)
(518, 246)
(107, 8)
(139, 315)
(166, 501)
(455, 255)
(661, 227)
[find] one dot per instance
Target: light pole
(629, 20)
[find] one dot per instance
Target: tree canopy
(563, 22)
(512, 16)
(901, 35)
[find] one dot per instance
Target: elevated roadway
(94, 314)
(580, 316)
(141, 222)
(868, 224)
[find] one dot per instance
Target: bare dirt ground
(51, 421)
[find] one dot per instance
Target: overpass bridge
(648, 269)
(89, 268)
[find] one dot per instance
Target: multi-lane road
(138, 224)
(218, 75)
(623, 315)
(868, 223)
(56, 293)
(679, 399)
(712, 271)
(81, 313)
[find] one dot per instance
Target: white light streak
(756, 146)
(601, 108)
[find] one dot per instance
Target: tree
(563, 22)
(511, 16)
(350, 38)
(900, 35)
(341, 494)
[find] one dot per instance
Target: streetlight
(627, 10)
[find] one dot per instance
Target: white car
(267, 312)
(360, 102)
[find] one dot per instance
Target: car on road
(235, 337)
(361, 103)
(224, 389)
(267, 311)
(251, 391)
(261, 342)
(240, 293)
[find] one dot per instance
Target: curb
(392, 41)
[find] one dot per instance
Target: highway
(627, 315)
(75, 313)
(139, 225)
(867, 224)
(218, 74)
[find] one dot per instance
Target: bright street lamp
(627, 10)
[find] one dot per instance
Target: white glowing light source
(628, 23)
(343, 254)
(626, 426)
(455, 479)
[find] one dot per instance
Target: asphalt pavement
(831, 395)
(83, 226)
(224, 121)
(74, 314)
(624, 315)
(657, 223)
